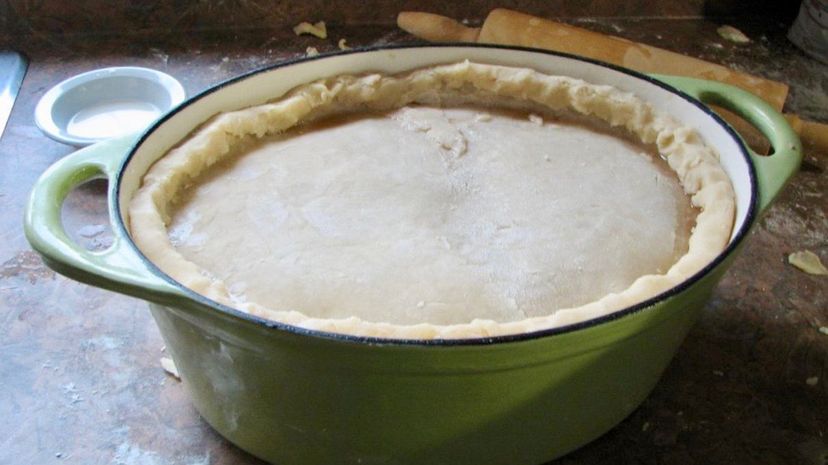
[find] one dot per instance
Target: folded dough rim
(696, 165)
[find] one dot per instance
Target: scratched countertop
(80, 377)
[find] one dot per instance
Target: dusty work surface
(80, 378)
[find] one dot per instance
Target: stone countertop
(80, 378)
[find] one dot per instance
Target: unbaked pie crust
(459, 251)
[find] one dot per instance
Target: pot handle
(772, 171)
(119, 268)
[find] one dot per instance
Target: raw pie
(464, 200)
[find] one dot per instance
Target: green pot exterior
(290, 399)
(292, 396)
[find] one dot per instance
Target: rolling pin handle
(436, 28)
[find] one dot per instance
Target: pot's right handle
(772, 171)
(119, 268)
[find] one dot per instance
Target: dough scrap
(317, 29)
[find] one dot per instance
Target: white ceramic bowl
(105, 103)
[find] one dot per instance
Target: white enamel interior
(270, 85)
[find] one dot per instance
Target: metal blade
(12, 69)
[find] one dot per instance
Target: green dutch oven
(291, 395)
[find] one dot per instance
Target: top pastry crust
(462, 276)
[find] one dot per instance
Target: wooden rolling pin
(508, 27)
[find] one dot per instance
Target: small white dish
(105, 103)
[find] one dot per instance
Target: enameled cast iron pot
(291, 395)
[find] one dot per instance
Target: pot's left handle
(119, 268)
